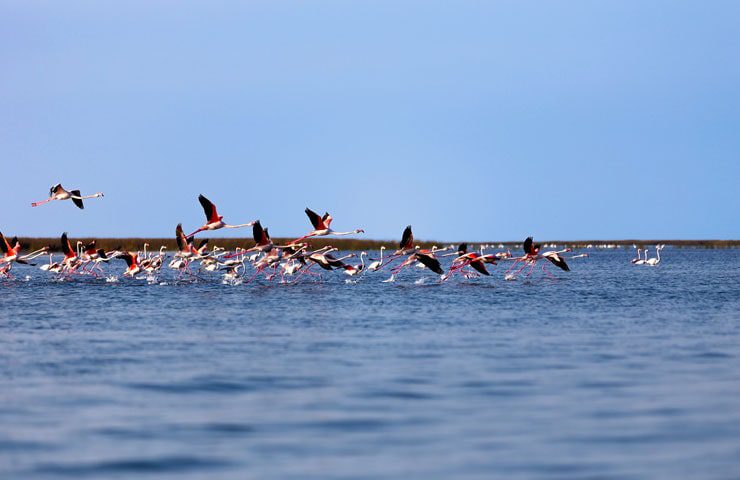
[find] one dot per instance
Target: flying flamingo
(132, 261)
(71, 259)
(12, 252)
(532, 255)
(57, 192)
(426, 259)
(214, 221)
(473, 259)
(406, 245)
(321, 226)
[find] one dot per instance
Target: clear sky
(475, 120)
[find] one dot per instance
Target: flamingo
(652, 262)
(132, 260)
(377, 263)
(321, 226)
(426, 259)
(641, 261)
(214, 221)
(406, 245)
(57, 192)
(186, 251)
(637, 259)
(532, 255)
(101, 257)
(71, 259)
(475, 260)
(352, 270)
(52, 266)
(12, 251)
(232, 272)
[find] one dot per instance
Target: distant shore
(134, 244)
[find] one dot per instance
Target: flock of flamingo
(289, 262)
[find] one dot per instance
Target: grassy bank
(133, 244)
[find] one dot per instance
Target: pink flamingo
(532, 255)
(321, 226)
(57, 192)
(132, 261)
(214, 221)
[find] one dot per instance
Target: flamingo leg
(547, 272)
(36, 204)
(197, 231)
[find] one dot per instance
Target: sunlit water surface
(612, 371)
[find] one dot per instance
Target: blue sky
(469, 120)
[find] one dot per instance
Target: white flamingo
(652, 262)
(377, 263)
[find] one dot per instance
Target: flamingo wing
(326, 219)
(90, 248)
(128, 258)
(430, 262)
(479, 266)
(316, 221)
(257, 232)
(334, 262)
(462, 249)
(55, 189)
(182, 242)
(528, 247)
(67, 247)
(77, 201)
(407, 239)
(556, 260)
(4, 244)
(209, 209)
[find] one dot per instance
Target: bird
(262, 240)
(473, 259)
(377, 263)
(428, 261)
(533, 252)
(10, 249)
(637, 259)
(71, 259)
(12, 252)
(52, 266)
(321, 226)
(214, 221)
(532, 255)
(654, 260)
(355, 269)
(57, 192)
(406, 245)
(132, 261)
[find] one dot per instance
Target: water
(613, 371)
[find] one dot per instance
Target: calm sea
(612, 371)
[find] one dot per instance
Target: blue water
(612, 371)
